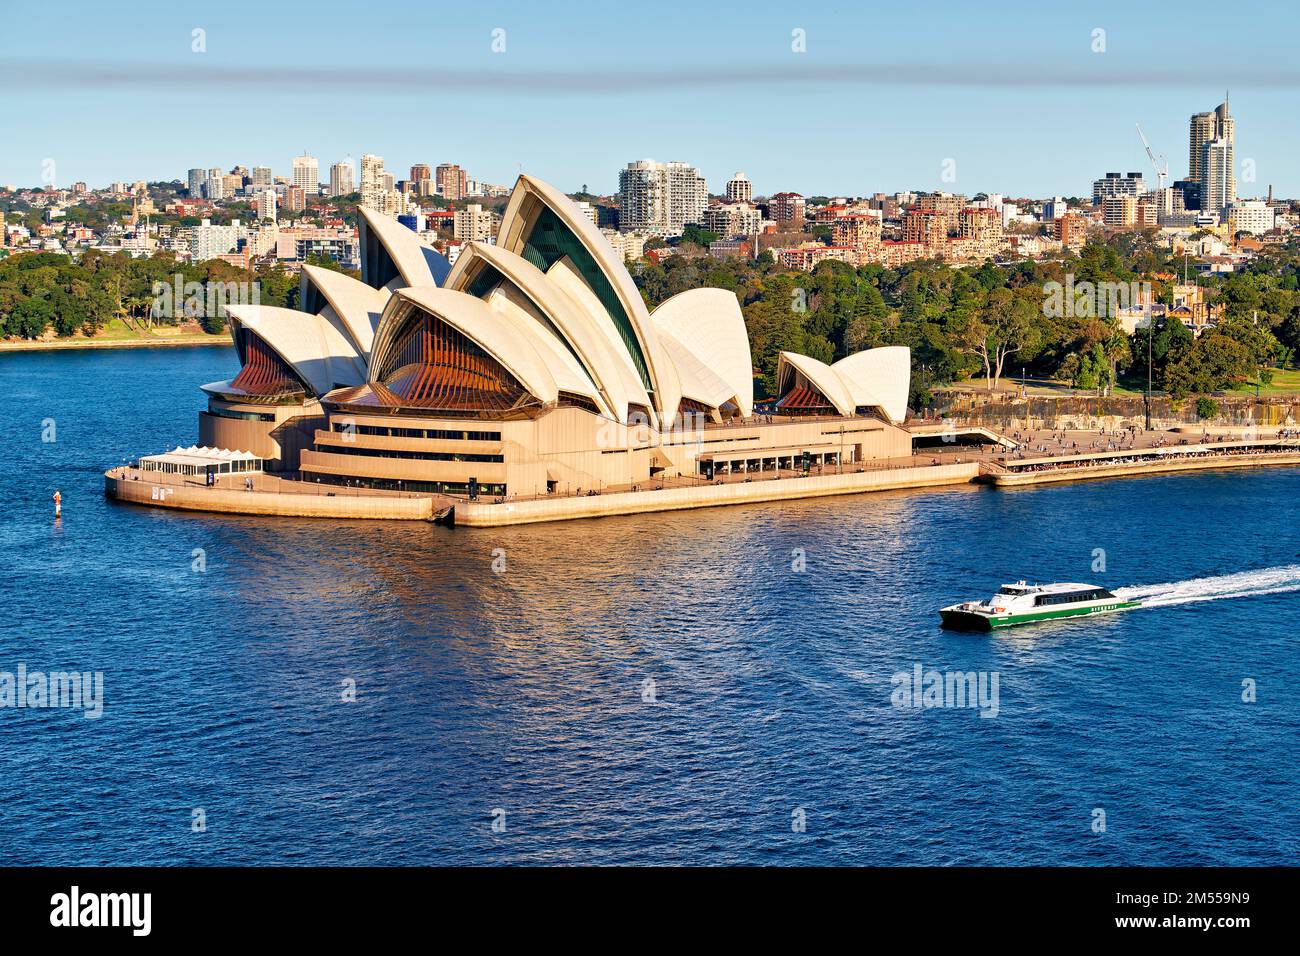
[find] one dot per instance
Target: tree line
(42, 292)
(988, 321)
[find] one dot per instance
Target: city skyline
(894, 129)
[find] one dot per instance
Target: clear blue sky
(1012, 92)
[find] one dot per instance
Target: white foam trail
(1242, 584)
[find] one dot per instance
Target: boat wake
(1242, 584)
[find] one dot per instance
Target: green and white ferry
(1022, 603)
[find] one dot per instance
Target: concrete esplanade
(124, 485)
(478, 514)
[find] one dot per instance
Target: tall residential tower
(660, 197)
(1204, 129)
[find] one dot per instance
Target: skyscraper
(214, 187)
(1218, 184)
(195, 185)
(422, 183)
(306, 174)
(1205, 128)
(660, 197)
(372, 181)
(342, 179)
(262, 178)
(451, 180)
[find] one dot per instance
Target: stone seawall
(188, 497)
(1012, 479)
(479, 514)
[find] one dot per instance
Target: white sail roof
(508, 302)
(496, 335)
(582, 322)
(319, 351)
(708, 324)
(355, 303)
(418, 263)
(819, 375)
(514, 223)
(879, 377)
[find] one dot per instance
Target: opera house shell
(531, 366)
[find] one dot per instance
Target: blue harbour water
(524, 691)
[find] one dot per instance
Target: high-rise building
(927, 226)
(1202, 128)
(1214, 124)
(1115, 184)
(1187, 195)
(859, 231)
(262, 178)
(295, 199)
(214, 187)
(660, 197)
(266, 204)
(452, 181)
(421, 182)
(1218, 184)
(1070, 229)
(979, 223)
(949, 204)
(1251, 215)
(306, 174)
(786, 209)
(208, 241)
(342, 179)
(372, 181)
(196, 178)
(1147, 213)
(739, 188)
(1119, 211)
(729, 219)
(475, 224)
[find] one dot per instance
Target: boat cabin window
(1012, 589)
(1070, 597)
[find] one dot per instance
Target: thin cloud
(46, 74)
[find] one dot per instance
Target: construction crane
(1162, 171)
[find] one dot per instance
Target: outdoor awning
(780, 451)
(197, 460)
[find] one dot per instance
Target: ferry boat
(1022, 603)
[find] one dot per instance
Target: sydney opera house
(531, 367)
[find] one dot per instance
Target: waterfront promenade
(1016, 458)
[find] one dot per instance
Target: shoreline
(192, 340)
(185, 496)
(1139, 469)
(122, 485)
